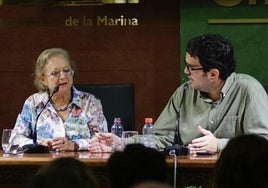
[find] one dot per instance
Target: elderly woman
(65, 118)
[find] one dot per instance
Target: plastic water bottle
(148, 133)
(117, 128)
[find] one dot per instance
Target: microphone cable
(173, 153)
(56, 89)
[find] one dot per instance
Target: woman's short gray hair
(42, 61)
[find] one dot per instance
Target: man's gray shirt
(242, 109)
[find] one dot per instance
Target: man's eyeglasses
(57, 74)
(190, 69)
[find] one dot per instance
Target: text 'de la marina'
(101, 21)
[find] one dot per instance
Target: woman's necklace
(63, 108)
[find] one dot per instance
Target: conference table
(16, 170)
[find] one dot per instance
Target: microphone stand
(35, 147)
(178, 149)
(173, 153)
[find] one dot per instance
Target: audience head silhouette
(151, 185)
(65, 172)
(243, 163)
(136, 164)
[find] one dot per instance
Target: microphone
(35, 147)
(179, 150)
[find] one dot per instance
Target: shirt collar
(77, 100)
(44, 97)
(227, 85)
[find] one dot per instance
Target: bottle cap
(117, 120)
(148, 120)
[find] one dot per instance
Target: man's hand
(94, 145)
(206, 143)
(105, 142)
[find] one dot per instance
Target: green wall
(250, 39)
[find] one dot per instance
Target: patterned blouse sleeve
(96, 111)
(23, 126)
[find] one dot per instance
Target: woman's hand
(62, 144)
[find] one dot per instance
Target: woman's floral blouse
(85, 116)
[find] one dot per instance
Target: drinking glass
(6, 134)
(128, 134)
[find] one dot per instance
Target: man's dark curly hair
(213, 51)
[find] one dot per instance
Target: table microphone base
(35, 148)
(179, 150)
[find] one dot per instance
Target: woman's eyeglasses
(57, 74)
